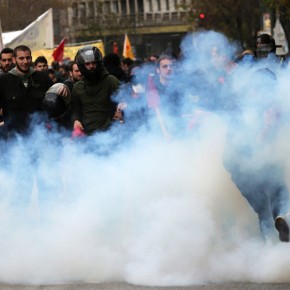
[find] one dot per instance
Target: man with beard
(92, 106)
(6, 60)
(6, 64)
(22, 90)
(74, 75)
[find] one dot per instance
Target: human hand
(63, 91)
(78, 124)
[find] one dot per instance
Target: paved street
(124, 286)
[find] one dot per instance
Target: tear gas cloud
(132, 206)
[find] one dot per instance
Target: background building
(152, 25)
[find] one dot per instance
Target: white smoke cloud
(147, 210)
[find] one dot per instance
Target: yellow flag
(127, 48)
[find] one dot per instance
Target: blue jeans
(265, 191)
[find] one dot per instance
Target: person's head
(152, 58)
(6, 57)
(40, 64)
(63, 71)
(164, 67)
(22, 58)
(51, 74)
(126, 63)
(55, 65)
(265, 44)
(90, 62)
(74, 71)
(112, 59)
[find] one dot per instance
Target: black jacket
(18, 101)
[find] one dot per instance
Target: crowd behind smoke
(135, 207)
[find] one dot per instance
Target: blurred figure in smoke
(158, 86)
(92, 106)
(250, 155)
(266, 52)
(150, 95)
(132, 98)
(246, 58)
(159, 91)
(265, 46)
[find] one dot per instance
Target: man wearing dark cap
(265, 45)
(266, 53)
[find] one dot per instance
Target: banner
(37, 35)
(70, 50)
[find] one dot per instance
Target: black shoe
(283, 228)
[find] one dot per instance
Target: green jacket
(92, 104)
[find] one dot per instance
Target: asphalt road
(125, 286)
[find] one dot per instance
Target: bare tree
(237, 19)
(16, 16)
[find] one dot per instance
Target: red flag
(115, 48)
(58, 52)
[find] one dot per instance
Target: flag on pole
(1, 38)
(127, 48)
(115, 48)
(37, 35)
(58, 52)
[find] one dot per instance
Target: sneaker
(283, 228)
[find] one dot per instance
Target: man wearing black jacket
(21, 92)
(92, 106)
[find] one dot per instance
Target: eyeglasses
(165, 66)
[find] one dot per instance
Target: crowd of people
(174, 92)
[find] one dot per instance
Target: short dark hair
(112, 59)
(51, 71)
(164, 56)
(40, 59)
(6, 50)
(128, 61)
(71, 64)
(65, 67)
(20, 48)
